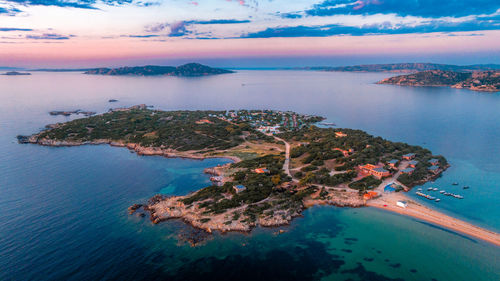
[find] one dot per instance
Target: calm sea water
(63, 210)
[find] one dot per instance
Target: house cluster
(411, 164)
(269, 129)
(267, 121)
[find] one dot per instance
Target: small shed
(409, 156)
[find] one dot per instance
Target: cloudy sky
(84, 33)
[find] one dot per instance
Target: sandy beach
(416, 210)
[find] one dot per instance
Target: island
(16, 73)
(486, 81)
(186, 70)
(282, 164)
(406, 67)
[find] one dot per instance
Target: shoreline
(133, 147)
(418, 211)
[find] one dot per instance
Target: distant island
(186, 70)
(282, 165)
(406, 67)
(62, 69)
(487, 81)
(15, 73)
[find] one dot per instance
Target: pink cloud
(360, 4)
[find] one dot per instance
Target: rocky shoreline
(482, 81)
(162, 208)
(140, 150)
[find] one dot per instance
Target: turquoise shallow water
(63, 210)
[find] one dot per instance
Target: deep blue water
(63, 210)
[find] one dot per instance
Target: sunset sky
(247, 33)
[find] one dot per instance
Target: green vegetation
(366, 183)
(152, 128)
(319, 146)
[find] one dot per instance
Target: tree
(276, 179)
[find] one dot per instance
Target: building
(413, 163)
(261, 171)
(408, 171)
(370, 195)
(367, 168)
(340, 134)
(204, 121)
(409, 156)
(434, 162)
(402, 204)
(375, 171)
(434, 169)
(344, 152)
(380, 173)
(239, 188)
(393, 163)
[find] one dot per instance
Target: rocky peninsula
(485, 81)
(406, 67)
(282, 165)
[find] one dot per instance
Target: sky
(247, 33)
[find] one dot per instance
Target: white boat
(442, 191)
(437, 200)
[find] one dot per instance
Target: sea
(63, 210)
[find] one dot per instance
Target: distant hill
(407, 67)
(14, 73)
(10, 68)
(478, 81)
(62, 69)
(190, 69)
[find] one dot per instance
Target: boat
(435, 189)
(455, 183)
(442, 191)
(419, 189)
(437, 200)
(466, 187)
(429, 189)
